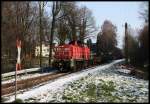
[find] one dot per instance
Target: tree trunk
(40, 31)
(54, 14)
(51, 41)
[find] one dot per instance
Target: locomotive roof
(73, 42)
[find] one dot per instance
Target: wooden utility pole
(126, 42)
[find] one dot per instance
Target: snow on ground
(19, 72)
(124, 71)
(26, 76)
(110, 88)
(53, 91)
(59, 82)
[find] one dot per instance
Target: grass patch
(18, 101)
(91, 92)
(3, 99)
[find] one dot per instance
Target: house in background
(45, 50)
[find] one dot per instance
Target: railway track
(9, 88)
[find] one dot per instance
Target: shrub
(18, 101)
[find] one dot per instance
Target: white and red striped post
(18, 64)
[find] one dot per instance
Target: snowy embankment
(10, 76)
(26, 76)
(60, 89)
(20, 72)
(6, 79)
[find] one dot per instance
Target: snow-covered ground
(127, 88)
(20, 72)
(25, 76)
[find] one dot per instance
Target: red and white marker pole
(18, 64)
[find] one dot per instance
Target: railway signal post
(18, 64)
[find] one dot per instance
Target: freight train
(71, 57)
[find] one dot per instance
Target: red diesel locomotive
(71, 57)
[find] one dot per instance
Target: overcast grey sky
(118, 13)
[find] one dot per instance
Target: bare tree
(20, 16)
(132, 47)
(41, 11)
(55, 10)
(17, 21)
(144, 43)
(144, 12)
(76, 22)
(70, 11)
(87, 23)
(62, 31)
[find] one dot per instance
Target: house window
(37, 50)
